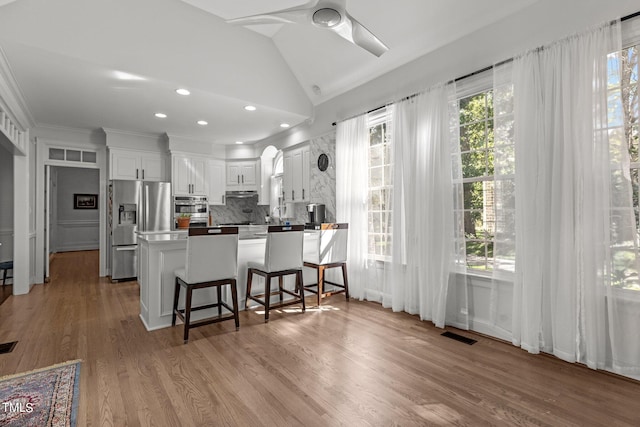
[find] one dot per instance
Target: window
(380, 184)
(476, 151)
(622, 127)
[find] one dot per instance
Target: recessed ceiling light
(161, 115)
(184, 92)
(284, 125)
(239, 142)
(250, 108)
(203, 122)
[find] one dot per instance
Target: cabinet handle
(223, 199)
(243, 179)
(136, 173)
(303, 194)
(293, 194)
(142, 173)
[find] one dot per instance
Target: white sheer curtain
(428, 259)
(352, 180)
(573, 206)
(427, 207)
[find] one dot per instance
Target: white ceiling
(66, 55)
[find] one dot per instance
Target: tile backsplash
(239, 211)
(323, 190)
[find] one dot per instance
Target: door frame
(42, 146)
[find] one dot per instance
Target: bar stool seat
(283, 257)
(329, 250)
(211, 261)
(5, 267)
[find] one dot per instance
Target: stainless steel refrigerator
(136, 206)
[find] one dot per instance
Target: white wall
(76, 229)
(6, 204)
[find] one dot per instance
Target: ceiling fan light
(326, 17)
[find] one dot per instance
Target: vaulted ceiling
(114, 64)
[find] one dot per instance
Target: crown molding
(59, 128)
(107, 131)
(11, 98)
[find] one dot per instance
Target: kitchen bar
(162, 253)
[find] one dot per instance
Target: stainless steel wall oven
(197, 207)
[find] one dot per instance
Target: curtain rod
(466, 76)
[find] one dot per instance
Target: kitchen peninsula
(159, 254)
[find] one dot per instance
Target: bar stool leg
(219, 289)
(187, 314)
(249, 280)
(300, 286)
(176, 296)
(267, 297)
(345, 280)
(234, 297)
(280, 288)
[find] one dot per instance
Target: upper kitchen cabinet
(189, 175)
(217, 182)
(242, 175)
(297, 166)
(137, 165)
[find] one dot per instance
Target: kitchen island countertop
(245, 232)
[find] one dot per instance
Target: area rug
(43, 397)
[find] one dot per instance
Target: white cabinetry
(133, 165)
(217, 182)
(241, 175)
(297, 165)
(189, 175)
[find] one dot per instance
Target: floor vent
(7, 347)
(459, 338)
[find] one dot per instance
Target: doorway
(72, 217)
(6, 216)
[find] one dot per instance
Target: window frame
(376, 118)
(480, 83)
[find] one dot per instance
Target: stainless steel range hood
(241, 194)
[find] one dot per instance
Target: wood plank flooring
(349, 364)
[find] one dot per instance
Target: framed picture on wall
(85, 201)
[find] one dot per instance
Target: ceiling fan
(329, 14)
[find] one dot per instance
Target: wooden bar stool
(212, 261)
(283, 257)
(329, 250)
(5, 267)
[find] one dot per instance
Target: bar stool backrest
(212, 254)
(330, 246)
(284, 247)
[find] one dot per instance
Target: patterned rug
(43, 397)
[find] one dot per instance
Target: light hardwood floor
(351, 364)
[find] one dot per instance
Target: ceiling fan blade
(298, 14)
(366, 39)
